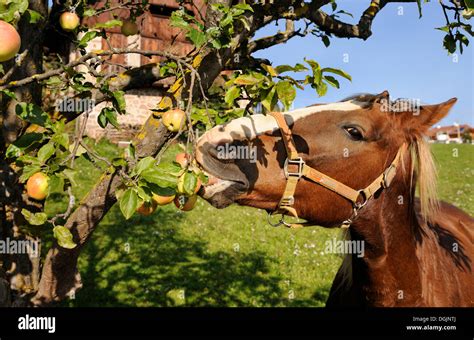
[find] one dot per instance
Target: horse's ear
(427, 115)
(382, 97)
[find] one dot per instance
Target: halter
(358, 198)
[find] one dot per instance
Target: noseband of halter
(358, 198)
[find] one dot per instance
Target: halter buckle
(297, 161)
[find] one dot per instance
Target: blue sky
(404, 55)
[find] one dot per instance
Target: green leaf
(321, 89)
(28, 171)
(172, 169)
(62, 139)
(33, 16)
(56, 184)
(270, 99)
(418, 3)
(232, 94)
(34, 218)
(246, 79)
(89, 12)
(129, 203)
(64, 237)
(159, 177)
(197, 37)
(119, 99)
(33, 114)
(286, 93)
(143, 164)
(443, 28)
(177, 20)
(449, 43)
(8, 93)
(24, 142)
(326, 40)
(271, 71)
(188, 183)
(338, 72)
(70, 174)
(161, 191)
(108, 24)
(244, 7)
(86, 38)
(46, 152)
(332, 81)
(111, 116)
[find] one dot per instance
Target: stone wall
(139, 103)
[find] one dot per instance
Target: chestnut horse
(418, 251)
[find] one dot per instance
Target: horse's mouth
(226, 182)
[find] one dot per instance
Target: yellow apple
(174, 119)
(69, 21)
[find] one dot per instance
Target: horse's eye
(354, 132)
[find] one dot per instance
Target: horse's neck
(388, 273)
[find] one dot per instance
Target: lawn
(231, 257)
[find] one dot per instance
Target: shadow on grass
(147, 261)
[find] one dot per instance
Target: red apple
(129, 28)
(163, 200)
(182, 159)
(185, 203)
(10, 41)
(147, 208)
(69, 21)
(37, 186)
(174, 119)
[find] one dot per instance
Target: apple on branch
(10, 41)
(129, 28)
(69, 21)
(37, 186)
(174, 119)
(185, 203)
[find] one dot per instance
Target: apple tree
(38, 150)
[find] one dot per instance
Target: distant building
(155, 34)
(451, 134)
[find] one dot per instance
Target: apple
(174, 119)
(182, 159)
(69, 21)
(147, 208)
(163, 200)
(129, 28)
(37, 186)
(185, 203)
(10, 41)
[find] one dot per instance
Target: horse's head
(352, 141)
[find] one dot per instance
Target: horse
(417, 250)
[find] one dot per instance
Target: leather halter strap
(358, 198)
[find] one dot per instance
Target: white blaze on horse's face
(246, 129)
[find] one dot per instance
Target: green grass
(230, 257)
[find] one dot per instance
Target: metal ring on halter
(279, 223)
(359, 206)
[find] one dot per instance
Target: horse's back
(446, 255)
